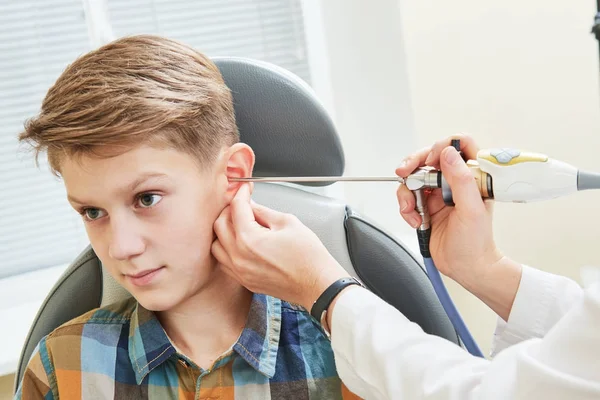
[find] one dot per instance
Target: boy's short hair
(136, 90)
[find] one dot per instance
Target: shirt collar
(259, 342)
(149, 345)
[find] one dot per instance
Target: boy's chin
(158, 302)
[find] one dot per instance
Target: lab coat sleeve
(380, 354)
(541, 301)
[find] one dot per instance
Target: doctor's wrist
(474, 275)
(497, 285)
(326, 277)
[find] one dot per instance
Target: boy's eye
(148, 200)
(92, 214)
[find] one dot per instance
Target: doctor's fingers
(412, 162)
(251, 218)
(223, 247)
(268, 218)
(221, 255)
(467, 146)
(234, 249)
(406, 201)
(242, 216)
(224, 230)
(240, 269)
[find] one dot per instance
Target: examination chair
(280, 117)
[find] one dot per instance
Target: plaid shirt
(122, 352)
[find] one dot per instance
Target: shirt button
(184, 363)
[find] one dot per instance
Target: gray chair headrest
(280, 117)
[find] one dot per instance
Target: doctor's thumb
(462, 182)
(266, 216)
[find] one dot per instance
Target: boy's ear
(239, 164)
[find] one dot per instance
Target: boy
(143, 133)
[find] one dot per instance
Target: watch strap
(325, 299)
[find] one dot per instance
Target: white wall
(520, 74)
(364, 82)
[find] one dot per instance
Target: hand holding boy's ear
(272, 252)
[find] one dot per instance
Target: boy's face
(149, 215)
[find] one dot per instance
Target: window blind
(268, 30)
(38, 38)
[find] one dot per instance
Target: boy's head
(143, 133)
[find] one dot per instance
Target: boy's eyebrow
(131, 187)
(143, 178)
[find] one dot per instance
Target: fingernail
(429, 158)
(403, 205)
(414, 222)
(452, 156)
(401, 165)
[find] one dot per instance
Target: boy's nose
(125, 241)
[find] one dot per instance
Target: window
(269, 30)
(39, 38)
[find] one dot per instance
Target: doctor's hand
(462, 243)
(272, 253)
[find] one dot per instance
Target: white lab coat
(548, 349)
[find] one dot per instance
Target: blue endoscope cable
(450, 308)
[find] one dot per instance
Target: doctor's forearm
(497, 286)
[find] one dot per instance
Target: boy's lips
(145, 272)
(144, 277)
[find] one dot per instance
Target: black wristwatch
(321, 305)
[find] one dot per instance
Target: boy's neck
(209, 323)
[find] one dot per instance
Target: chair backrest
(279, 116)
